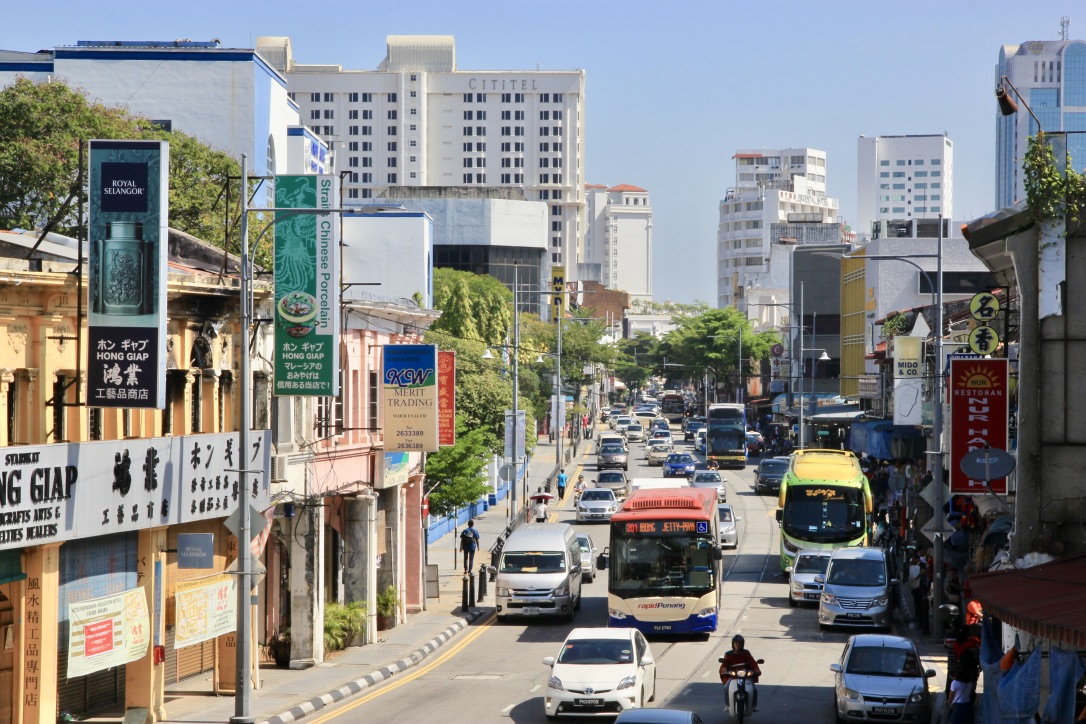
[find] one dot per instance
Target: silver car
(729, 534)
(713, 480)
(658, 452)
(880, 678)
(612, 456)
(856, 589)
(802, 586)
(596, 504)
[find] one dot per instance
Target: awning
(845, 417)
(878, 353)
(11, 566)
(1045, 600)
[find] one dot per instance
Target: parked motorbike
(740, 698)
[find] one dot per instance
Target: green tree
(457, 471)
(710, 341)
(473, 306)
(636, 359)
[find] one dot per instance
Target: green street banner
(306, 288)
(107, 632)
(409, 398)
(126, 322)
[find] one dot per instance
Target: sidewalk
(286, 695)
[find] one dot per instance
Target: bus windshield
(721, 439)
(673, 405)
(679, 565)
(820, 514)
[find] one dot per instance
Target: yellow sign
(206, 609)
(906, 357)
(107, 632)
(984, 306)
(983, 340)
(558, 285)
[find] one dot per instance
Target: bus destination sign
(667, 527)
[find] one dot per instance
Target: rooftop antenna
(1065, 28)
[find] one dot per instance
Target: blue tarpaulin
(883, 440)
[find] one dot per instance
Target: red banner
(979, 411)
(446, 398)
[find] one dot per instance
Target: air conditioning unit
(278, 472)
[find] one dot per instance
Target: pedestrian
(963, 687)
(923, 611)
(562, 483)
(914, 584)
(541, 511)
(469, 543)
(952, 587)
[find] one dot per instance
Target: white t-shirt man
(541, 511)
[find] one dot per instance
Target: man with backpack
(469, 543)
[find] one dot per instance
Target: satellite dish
(987, 464)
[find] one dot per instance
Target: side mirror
(603, 559)
(737, 519)
(835, 667)
(778, 515)
(718, 553)
(894, 581)
(788, 569)
(492, 573)
(595, 482)
(820, 578)
(761, 661)
(548, 661)
(647, 661)
(929, 673)
(721, 659)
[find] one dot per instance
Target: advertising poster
(558, 300)
(446, 398)
(514, 435)
(908, 383)
(107, 632)
(206, 609)
(126, 322)
(397, 469)
(409, 398)
(979, 408)
(306, 288)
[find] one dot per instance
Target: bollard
(464, 595)
(471, 590)
(482, 582)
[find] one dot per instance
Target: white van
(539, 572)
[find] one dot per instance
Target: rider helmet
(742, 641)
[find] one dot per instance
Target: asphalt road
(494, 673)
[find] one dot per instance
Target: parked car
(755, 443)
(768, 474)
(600, 671)
(679, 464)
(710, 479)
(613, 480)
(612, 456)
(881, 678)
(658, 452)
(588, 557)
(729, 534)
(857, 589)
(692, 428)
(596, 504)
(802, 587)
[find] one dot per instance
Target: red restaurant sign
(979, 411)
(446, 398)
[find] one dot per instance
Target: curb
(375, 677)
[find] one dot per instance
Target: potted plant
(387, 603)
(343, 624)
(278, 648)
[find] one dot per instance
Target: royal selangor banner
(126, 321)
(908, 395)
(409, 398)
(306, 288)
(206, 609)
(107, 632)
(446, 398)
(979, 410)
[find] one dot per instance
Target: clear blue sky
(673, 89)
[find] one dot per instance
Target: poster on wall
(306, 288)
(107, 632)
(446, 398)
(126, 321)
(206, 609)
(908, 393)
(979, 411)
(409, 398)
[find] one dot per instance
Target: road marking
(415, 674)
(506, 710)
(534, 688)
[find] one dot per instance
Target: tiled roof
(627, 187)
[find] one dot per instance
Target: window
(920, 174)
(936, 197)
(544, 115)
(884, 186)
(352, 98)
(367, 98)
(544, 97)
(391, 145)
(329, 97)
(367, 193)
(556, 211)
(392, 114)
(352, 115)
(391, 178)
(367, 115)
(899, 174)
(918, 162)
(467, 146)
(413, 159)
(884, 174)
(468, 162)
(518, 147)
(329, 130)
(936, 162)
(900, 162)
(367, 130)
(558, 115)
(518, 131)
(414, 77)
(556, 163)
(480, 178)
(518, 162)
(518, 115)
(544, 131)
(556, 258)
(506, 178)
(352, 193)
(544, 163)
(414, 112)
(556, 242)
(557, 177)
(884, 162)
(556, 226)
(544, 195)
(544, 147)
(367, 146)
(468, 97)
(937, 186)
(507, 97)
(393, 130)
(367, 162)
(558, 98)
(367, 178)
(196, 419)
(507, 162)
(467, 178)
(518, 178)
(328, 114)
(391, 98)
(414, 94)
(544, 178)
(480, 115)
(391, 162)
(354, 178)
(373, 402)
(480, 130)
(556, 147)
(518, 97)
(506, 147)
(936, 173)
(414, 143)
(352, 162)
(352, 130)
(507, 115)
(920, 186)
(899, 186)
(315, 97)
(468, 130)
(505, 130)
(314, 115)
(469, 115)
(480, 97)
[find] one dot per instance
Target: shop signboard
(127, 260)
(397, 470)
(409, 398)
(979, 409)
(306, 288)
(206, 609)
(446, 397)
(107, 632)
(907, 381)
(558, 299)
(67, 491)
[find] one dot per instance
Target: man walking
(469, 543)
(562, 483)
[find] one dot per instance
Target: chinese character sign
(107, 632)
(206, 609)
(446, 397)
(306, 288)
(979, 408)
(409, 398)
(129, 197)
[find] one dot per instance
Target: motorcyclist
(739, 658)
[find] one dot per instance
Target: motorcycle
(740, 700)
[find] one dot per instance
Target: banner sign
(558, 300)
(56, 493)
(397, 470)
(908, 394)
(514, 435)
(206, 609)
(979, 409)
(126, 322)
(107, 632)
(446, 398)
(306, 288)
(409, 397)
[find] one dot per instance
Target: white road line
(687, 691)
(535, 688)
(506, 710)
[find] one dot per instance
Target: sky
(672, 89)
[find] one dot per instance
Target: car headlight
(881, 601)
(850, 694)
(503, 591)
(788, 545)
(556, 683)
(706, 612)
(615, 613)
(627, 683)
(916, 698)
(582, 509)
(829, 598)
(561, 591)
(612, 509)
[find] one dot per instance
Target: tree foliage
(457, 471)
(473, 306)
(710, 341)
(636, 359)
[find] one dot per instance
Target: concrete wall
(392, 249)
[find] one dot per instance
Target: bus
(824, 504)
(673, 407)
(726, 435)
(665, 562)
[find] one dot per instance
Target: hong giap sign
(979, 411)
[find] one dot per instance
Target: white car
(600, 672)
(596, 504)
(658, 452)
(661, 436)
(729, 534)
(710, 479)
(611, 438)
(802, 586)
(622, 422)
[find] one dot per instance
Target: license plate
(884, 710)
(597, 515)
(661, 628)
(588, 702)
(531, 610)
(852, 615)
(813, 597)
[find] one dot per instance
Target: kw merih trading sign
(979, 410)
(409, 398)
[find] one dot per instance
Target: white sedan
(600, 672)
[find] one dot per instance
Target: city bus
(825, 503)
(672, 407)
(665, 562)
(726, 435)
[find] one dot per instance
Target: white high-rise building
(417, 120)
(618, 238)
(904, 179)
(779, 199)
